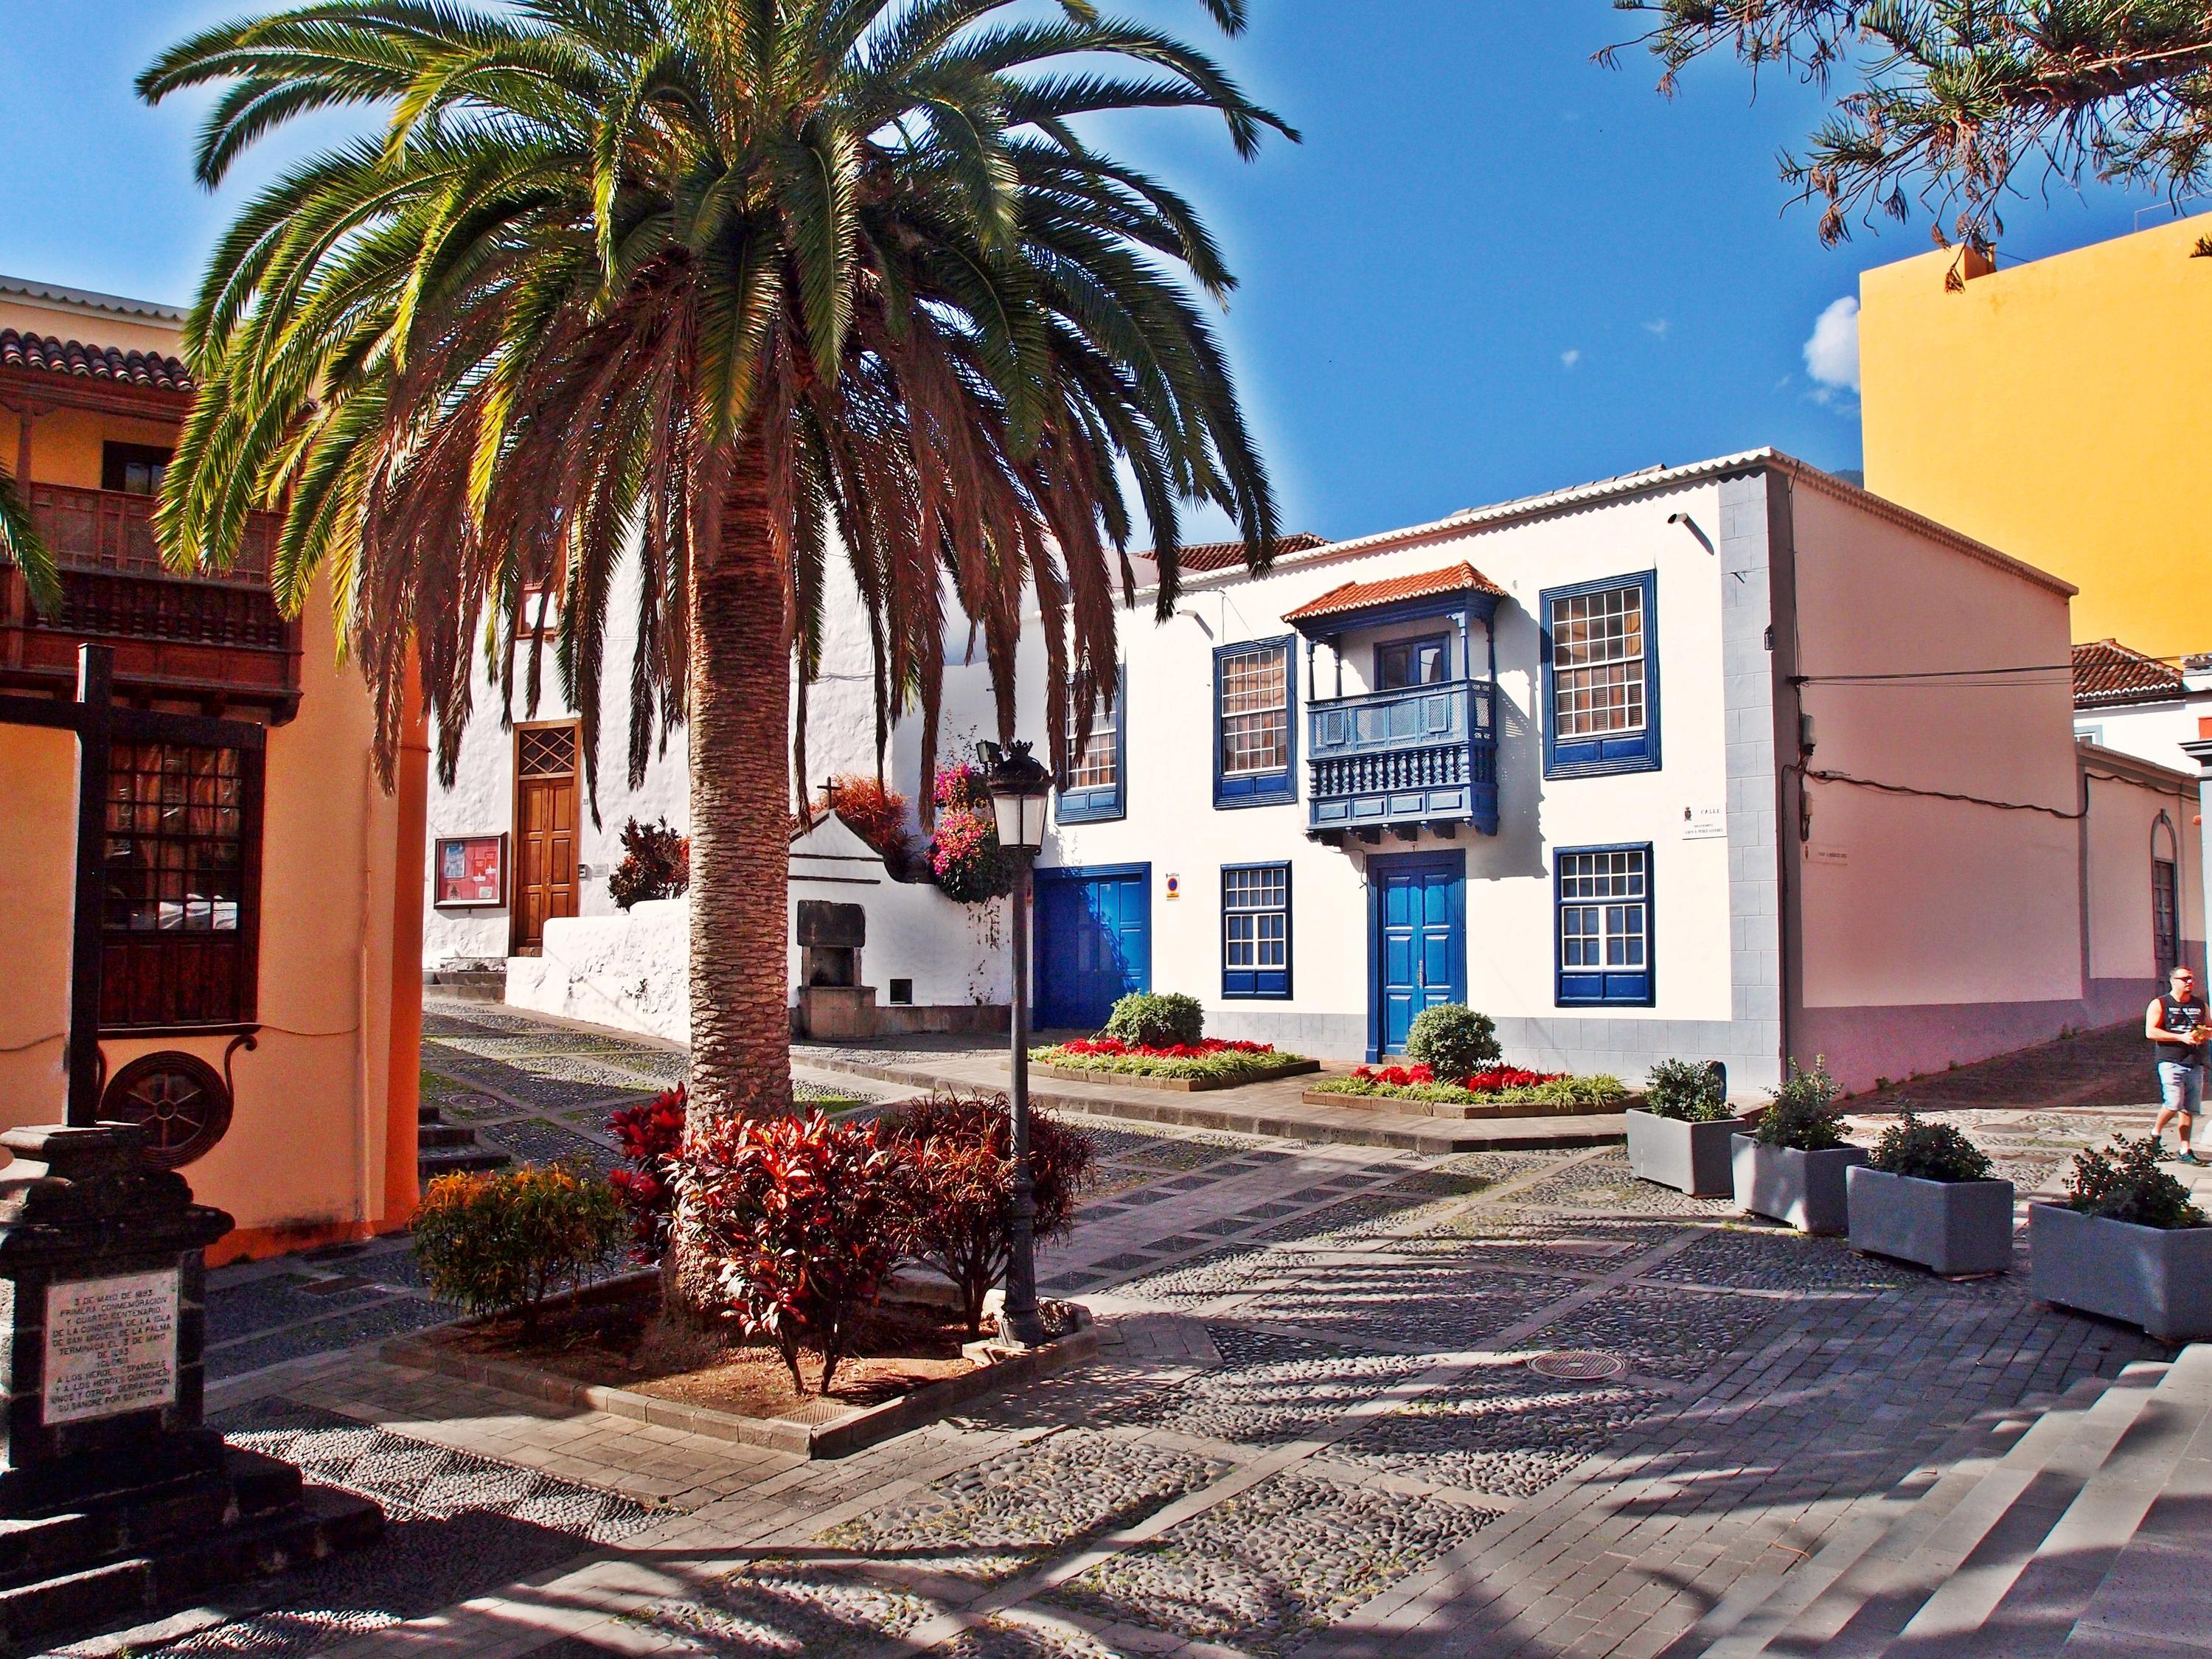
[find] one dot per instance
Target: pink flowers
(1114, 1047)
(1492, 1080)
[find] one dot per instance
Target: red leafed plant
(877, 815)
(650, 1135)
(798, 1221)
(1115, 1046)
(956, 1151)
(1491, 1081)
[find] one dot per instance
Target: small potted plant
(1790, 1167)
(1680, 1136)
(1929, 1195)
(2127, 1243)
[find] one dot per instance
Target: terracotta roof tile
(1367, 596)
(2106, 672)
(1227, 555)
(142, 368)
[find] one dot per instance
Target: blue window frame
(1400, 664)
(1600, 657)
(1602, 897)
(1256, 930)
(1255, 701)
(1096, 778)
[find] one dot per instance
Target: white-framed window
(1598, 662)
(1255, 711)
(1256, 930)
(1604, 900)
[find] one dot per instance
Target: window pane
(1614, 931)
(175, 858)
(1598, 662)
(1255, 720)
(1097, 766)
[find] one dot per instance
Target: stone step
(2156, 1594)
(1868, 1580)
(444, 1134)
(432, 1162)
(2040, 1599)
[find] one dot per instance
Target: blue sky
(1494, 267)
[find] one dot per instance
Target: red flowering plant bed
(1219, 1060)
(1493, 1084)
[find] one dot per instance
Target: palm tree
(22, 546)
(729, 287)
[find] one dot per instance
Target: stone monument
(115, 1496)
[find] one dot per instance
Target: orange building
(261, 932)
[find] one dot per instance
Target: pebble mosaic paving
(1312, 1400)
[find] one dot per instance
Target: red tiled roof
(142, 368)
(2107, 673)
(1227, 555)
(1367, 596)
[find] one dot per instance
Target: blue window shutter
(1246, 974)
(1269, 788)
(1594, 980)
(1099, 805)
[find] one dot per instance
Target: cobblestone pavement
(1312, 1430)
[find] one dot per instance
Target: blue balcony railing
(1397, 760)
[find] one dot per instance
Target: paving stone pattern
(1312, 1428)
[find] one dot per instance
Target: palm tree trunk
(739, 704)
(740, 730)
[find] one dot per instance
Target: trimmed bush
(956, 1153)
(502, 1243)
(1804, 1115)
(1145, 1021)
(650, 1135)
(656, 864)
(1499, 1085)
(797, 1219)
(1453, 1041)
(1687, 1090)
(2123, 1182)
(1929, 1151)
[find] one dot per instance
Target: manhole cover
(1579, 1366)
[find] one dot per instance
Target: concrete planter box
(1949, 1227)
(2147, 1276)
(1805, 1190)
(1691, 1158)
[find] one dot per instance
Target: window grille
(1598, 662)
(1605, 925)
(1255, 715)
(1256, 931)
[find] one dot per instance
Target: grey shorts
(2181, 1086)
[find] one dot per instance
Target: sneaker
(2188, 1157)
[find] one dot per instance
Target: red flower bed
(1491, 1081)
(1115, 1046)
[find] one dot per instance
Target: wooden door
(546, 832)
(1094, 943)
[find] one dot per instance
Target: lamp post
(1019, 787)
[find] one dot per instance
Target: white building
(1731, 761)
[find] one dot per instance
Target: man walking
(2178, 1025)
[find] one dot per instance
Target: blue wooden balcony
(1424, 758)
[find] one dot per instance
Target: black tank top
(2180, 1017)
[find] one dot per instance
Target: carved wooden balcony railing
(218, 640)
(1400, 760)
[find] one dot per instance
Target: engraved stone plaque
(111, 1346)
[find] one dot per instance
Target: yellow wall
(322, 1139)
(2061, 411)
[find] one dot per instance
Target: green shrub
(1157, 1022)
(2124, 1183)
(1804, 1115)
(1929, 1151)
(1453, 1040)
(1595, 1089)
(1688, 1090)
(502, 1243)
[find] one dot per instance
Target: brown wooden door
(546, 832)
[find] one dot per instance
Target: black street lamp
(1019, 789)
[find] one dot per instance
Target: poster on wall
(472, 870)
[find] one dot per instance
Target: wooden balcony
(216, 640)
(1424, 758)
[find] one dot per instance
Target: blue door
(1417, 941)
(1094, 942)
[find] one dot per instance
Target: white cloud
(1831, 355)
(1570, 357)
(1658, 327)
